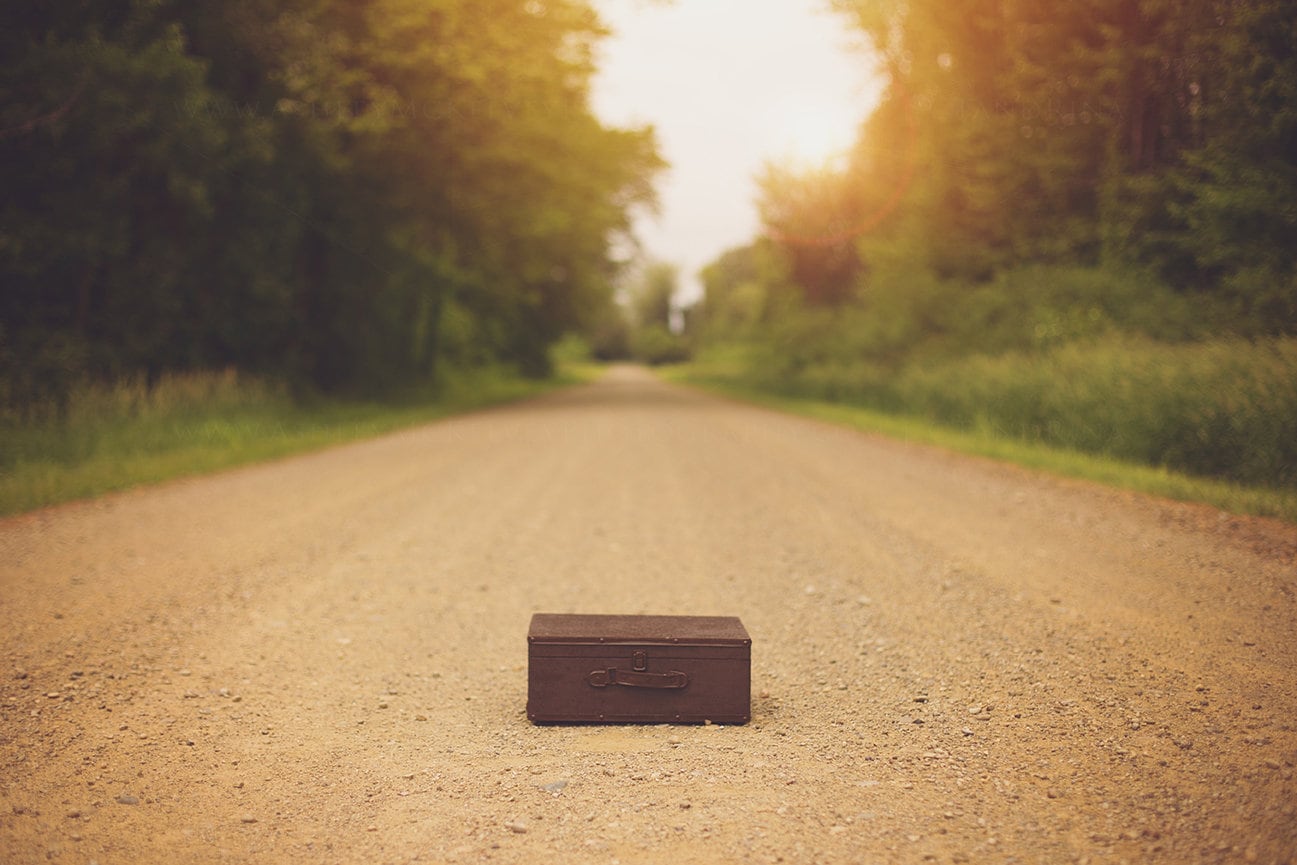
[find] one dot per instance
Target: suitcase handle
(613, 676)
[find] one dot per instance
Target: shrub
(1225, 408)
(655, 345)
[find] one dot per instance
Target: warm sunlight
(729, 86)
(813, 135)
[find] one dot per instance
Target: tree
(303, 188)
(1238, 189)
(1143, 132)
(652, 307)
(738, 288)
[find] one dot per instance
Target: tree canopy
(1087, 133)
(343, 193)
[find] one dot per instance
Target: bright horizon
(730, 86)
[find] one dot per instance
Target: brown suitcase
(638, 669)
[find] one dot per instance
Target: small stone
(685, 806)
(127, 799)
(517, 827)
(1272, 764)
(247, 818)
(555, 787)
(420, 717)
(73, 814)
(837, 830)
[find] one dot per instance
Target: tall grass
(1104, 361)
(110, 437)
(129, 417)
(1225, 409)
(1108, 362)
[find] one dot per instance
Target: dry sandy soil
(324, 659)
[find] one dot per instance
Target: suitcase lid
(651, 630)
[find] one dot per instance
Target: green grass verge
(115, 439)
(1235, 498)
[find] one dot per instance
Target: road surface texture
(323, 659)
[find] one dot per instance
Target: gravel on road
(323, 659)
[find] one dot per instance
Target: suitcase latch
(639, 660)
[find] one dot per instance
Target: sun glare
(813, 135)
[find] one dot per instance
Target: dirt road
(324, 660)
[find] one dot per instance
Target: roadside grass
(115, 438)
(722, 375)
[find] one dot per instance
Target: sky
(729, 85)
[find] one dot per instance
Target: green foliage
(1220, 408)
(742, 290)
(719, 368)
(653, 295)
(610, 335)
(1072, 223)
(1126, 132)
(813, 216)
(647, 322)
(336, 194)
(655, 345)
(1107, 362)
(906, 315)
(132, 432)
